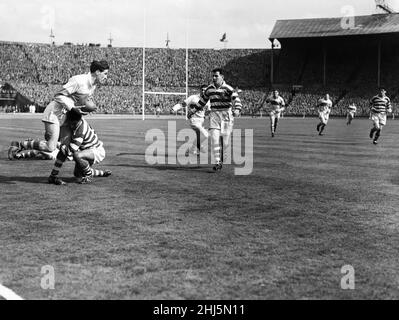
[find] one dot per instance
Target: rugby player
(379, 106)
(225, 104)
(75, 95)
(85, 148)
(324, 106)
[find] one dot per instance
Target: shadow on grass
(130, 154)
(34, 180)
(166, 167)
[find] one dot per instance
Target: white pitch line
(8, 294)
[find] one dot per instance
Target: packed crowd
(37, 71)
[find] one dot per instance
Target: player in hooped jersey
(225, 105)
(85, 148)
(277, 105)
(379, 106)
(324, 106)
(74, 96)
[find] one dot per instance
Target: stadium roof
(331, 27)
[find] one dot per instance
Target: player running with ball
(324, 106)
(76, 94)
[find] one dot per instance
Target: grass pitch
(312, 205)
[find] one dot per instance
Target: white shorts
(379, 119)
(324, 116)
(197, 122)
(274, 115)
(54, 113)
(99, 154)
(224, 118)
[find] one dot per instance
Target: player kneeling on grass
(85, 148)
(15, 154)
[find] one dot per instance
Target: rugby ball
(89, 106)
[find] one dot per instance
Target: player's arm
(282, 105)
(204, 98)
(237, 105)
(371, 103)
(389, 106)
(76, 140)
(63, 96)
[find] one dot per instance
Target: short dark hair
(220, 70)
(382, 88)
(73, 116)
(99, 65)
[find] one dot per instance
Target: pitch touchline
(8, 294)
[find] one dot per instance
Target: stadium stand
(315, 54)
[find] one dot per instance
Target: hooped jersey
(276, 104)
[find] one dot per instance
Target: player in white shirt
(350, 113)
(75, 96)
(196, 118)
(324, 106)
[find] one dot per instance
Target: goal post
(164, 93)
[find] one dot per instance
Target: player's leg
(320, 123)
(277, 119)
(272, 121)
(197, 145)
(82, 160)
(215, 139)
(51, 135)
(54, 178)
(381, 124)
(85, 159)
(377, 135)
(204, 134)
(215, 125)
(376, 125)
(322, 127)
(28, 154)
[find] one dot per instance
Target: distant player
(225, 105)
(379, 106)
(76, 96)
(324, 106)
(86, 150)
(350, 113)
(196, 118)
(277, 106)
